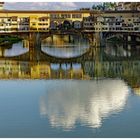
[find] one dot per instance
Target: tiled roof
(43, 11)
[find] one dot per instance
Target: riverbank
(120, 40)
(8, 40)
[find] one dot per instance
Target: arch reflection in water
(17, 49)
(65, 46)
(87, 102)
(65, 52)
(64, 66)
(122, 50)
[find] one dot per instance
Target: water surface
(68, 108)
(94, 95)
(65, 46)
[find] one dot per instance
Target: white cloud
(47, 5)
(68, 4)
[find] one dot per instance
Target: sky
(47, 5)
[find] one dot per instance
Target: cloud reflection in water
(87, 102)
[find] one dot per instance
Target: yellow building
(40, 70)
(13, 21)
(44, 21)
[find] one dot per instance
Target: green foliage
(9, 40)
(97, 7)
(105, 6)
(116, 39)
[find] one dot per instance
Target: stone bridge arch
(126, 36)
(66, 24)
(54, 24)
(77, 24)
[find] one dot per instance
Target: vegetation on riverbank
(115, 39)
(9, 40)
(120, 40)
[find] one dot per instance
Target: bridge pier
(2, 52)
(100, 39)
(69, 39)
(97, 39)
(71, 71)
(34, 46)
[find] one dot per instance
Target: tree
(109, 5)
(97, 7)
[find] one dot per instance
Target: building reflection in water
(88, 102)
(127, 70)
(10, 69)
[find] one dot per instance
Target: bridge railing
(81, 30)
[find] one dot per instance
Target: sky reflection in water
(88, 102)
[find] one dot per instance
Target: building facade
(44, 21)
(117, 21)
(41, 21)
(125, 6)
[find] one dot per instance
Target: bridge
(36, 54)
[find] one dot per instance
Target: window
(76, 16)
(117, 23)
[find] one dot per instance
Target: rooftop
(44, 11)
(68, 11)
